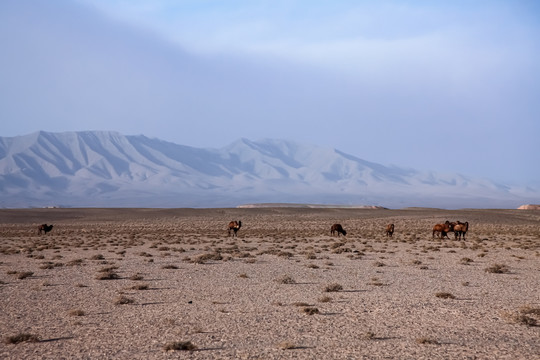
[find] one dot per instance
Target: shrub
(310, 310)
(24, 274)
(426, 340)
(325, 299)
(107, 276)
(200, 259)
(497, 269)
(286, 279)
(333, 287)
(76, 312)
(180, 345)
(172, 267)
(286, 345)
(140, 287)
(22, 337)
(445, 295)
(122, 300)
(519, 318)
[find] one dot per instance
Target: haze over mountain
(445, 86)
(108, 169)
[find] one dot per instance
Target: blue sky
(449, 86)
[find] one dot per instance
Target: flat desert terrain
(171, 284)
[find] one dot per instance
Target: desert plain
(172, 284)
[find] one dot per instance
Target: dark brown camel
(234, 226)
(389, 230)
(44, 228)
(337, 228)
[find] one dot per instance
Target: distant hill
(108, 169)
(529, 207)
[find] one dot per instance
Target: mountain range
(108, 169)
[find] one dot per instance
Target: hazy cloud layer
(450, 86)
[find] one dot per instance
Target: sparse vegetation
(286, 345)
(22, 337)
(334, 287)
(285, 279)
(369, 335)
(284, 276)
(310, 310)
(123, 300)
(107, 275)
(325, 299)
(497, 269)
(76, 312)
(24, 274)
(170, 266)
(427, 340)
(180, 346)
(445, 295)
(140, 287)
(136, 277)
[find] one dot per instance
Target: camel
(44, 228)
(337, 228)
(234, 226)
(442, 230)
(461, 229)
(390, 230)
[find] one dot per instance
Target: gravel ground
(132, 283)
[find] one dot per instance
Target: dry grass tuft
(286, 345)
(497, 269)
(108, 275)
(172, 267)
(445, 295)
(333, 287)
(24, 274)
(529, 310)
(76, 312)
(140, 287)
(519, 318)
(369, 335)
(310, 310)
(426, 340)
(202, 258)
(285, 279)
(22, 337)
(180, 346)
(325, 299)
(136, 277)
(123, 300)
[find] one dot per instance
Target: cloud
(415, 85)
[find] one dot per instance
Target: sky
(444, 86)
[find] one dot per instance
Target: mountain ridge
(108, 169)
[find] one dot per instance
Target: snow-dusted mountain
(107, 169)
